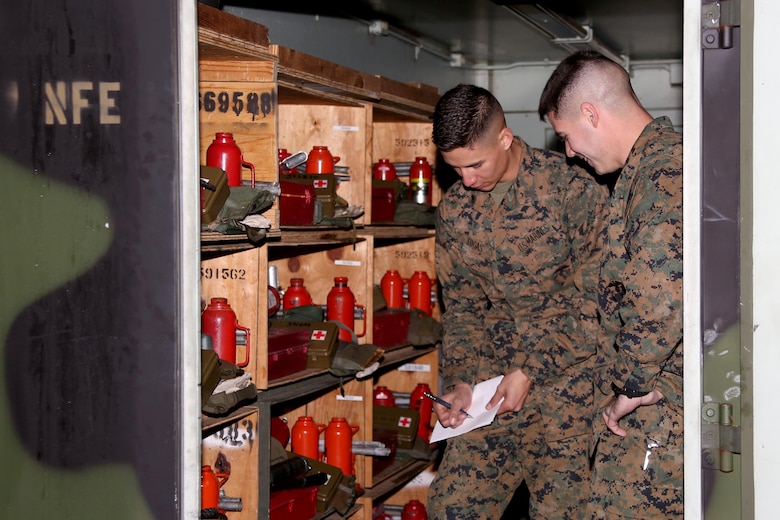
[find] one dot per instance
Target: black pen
(444, 403)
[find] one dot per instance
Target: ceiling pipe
(383, 28)
(563, 32)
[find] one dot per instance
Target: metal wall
(89, 284)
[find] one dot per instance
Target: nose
(469, 179)
(569, 151)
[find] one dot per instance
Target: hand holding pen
(444, 403)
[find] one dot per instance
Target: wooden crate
(343, 129)
(355, 406)
(406, 257)
(242, 278)
(403, 141)
(237, 442)
(240, 97)
(319, 266)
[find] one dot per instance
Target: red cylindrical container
(420, 292)
(383, 396)
(424, 406)
(384, 170)
(414, 510)
(420, 177)
(224, 153)
(280, 431)
(338, 444)
(296, 295)
(320, 160)
(220, 322)
(305, 437)
(282, 154)
(341, 306)
(393, 289)
(210, 483)
(209, 488)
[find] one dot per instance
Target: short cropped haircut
(463, 115)
(565, 78)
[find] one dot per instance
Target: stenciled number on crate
(401, 142)
(236, 435)
(412, 255)
(237, 102)
(222, 273)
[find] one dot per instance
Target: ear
(506, 138)
(590, 114)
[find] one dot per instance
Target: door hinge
(718, 20)
(720, 438)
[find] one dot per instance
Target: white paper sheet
(481, 396)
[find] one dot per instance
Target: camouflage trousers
(622, 486)
(481, 470)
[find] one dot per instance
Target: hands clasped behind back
(623, 405)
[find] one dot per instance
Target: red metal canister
(383, 396)
(393, 289)
(210, 483)
(220, 322)
(305, 437)
(420, 177)
(341, 306)
(296, 295)
(384, 170)
(414, 510)
(224, 153)
(338, 444)
(420, 292)
(320, 160)
(281, 154)
(424, 407)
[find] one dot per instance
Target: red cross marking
(320, 183)
(318, 335)
(404, 422)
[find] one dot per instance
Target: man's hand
(513, 388)
(623, 405)
(460, 399)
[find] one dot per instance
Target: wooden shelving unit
(272, 97)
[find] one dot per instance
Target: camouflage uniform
(641, 304)
(512, 279)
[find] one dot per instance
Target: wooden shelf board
(397, 231)
(310, 73)
(313, 235)
(395, 476)
(292, 92)
(209, 423)
(417, 94)
(395, 114)
(223, 36)
(220, 243)
(316, 236)
(311, 381)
